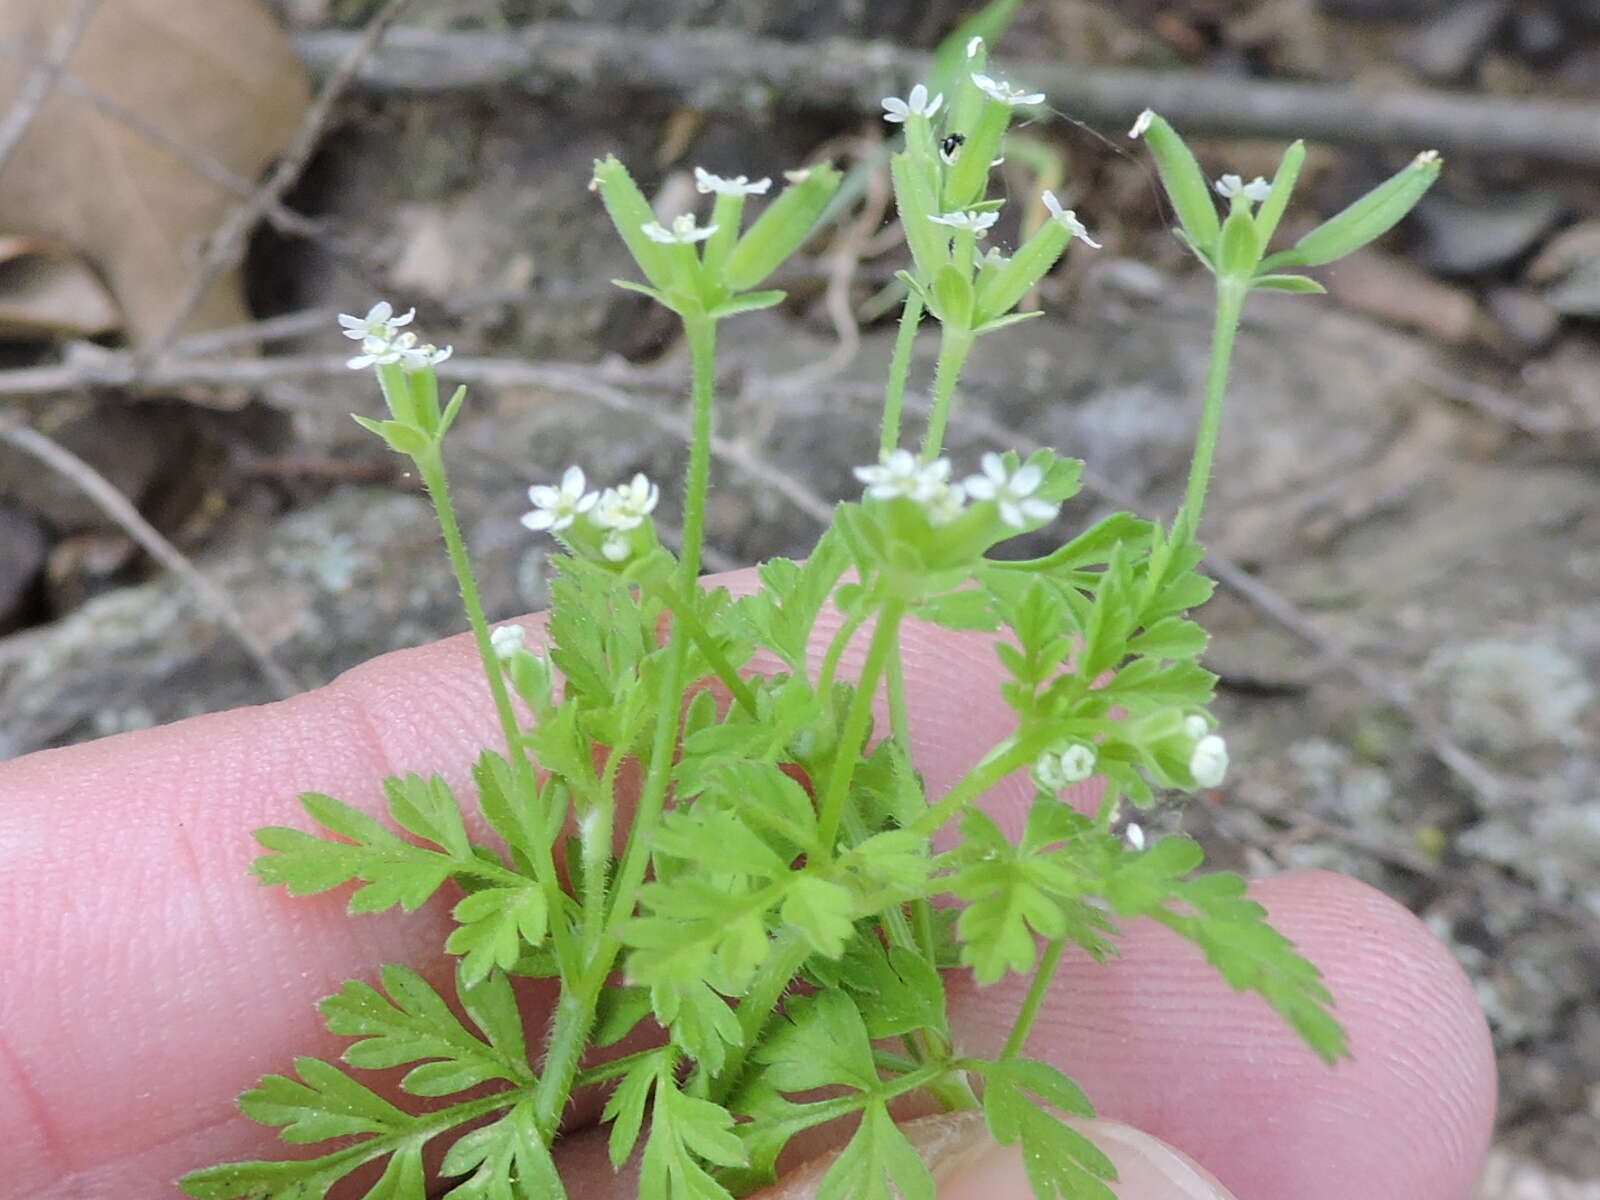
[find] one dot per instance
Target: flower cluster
(1004, 93)
(1229, 186)
(1058, 769)
(684, 231)
(705, 183)
(384, 342)
(899, 475)
(975, 223)
(1208, 761)
(614, 513)
(916, 104)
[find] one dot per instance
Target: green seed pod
(782, 228)
(630, 212)
(916, 197)
(1368, 219)
(1271, 210)
(1186, 186)
(1001, 288)
(1238, 248)
(968, 180)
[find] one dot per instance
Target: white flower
(416, 358)
(1012, 491)
(1135, 833)
(916, 104)
(1195, 726)
(379, 351)
(380, 322)
(705, 181)
(507, 640)
(1426, 159)
(1229, 186)
(946, 503)
(1069, 219)
(555, 508)
(1208, 762)
(973, 46)
(1002, 92)
(626, 506)
(683, 231)
(798, 175)
(993, 258)
(1058, 769)
(976, 223)
(899, 473)
(616, 548)
(1142, 123)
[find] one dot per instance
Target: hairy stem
(1230, 305)
(831, 811)
(954, 346)
(894, 396)
(702, 334)
(1043, 977)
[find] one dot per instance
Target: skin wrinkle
(50, 1138)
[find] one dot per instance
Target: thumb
(968, 1164)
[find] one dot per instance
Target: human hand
(150, 979)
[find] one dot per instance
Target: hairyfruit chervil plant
(777, 913)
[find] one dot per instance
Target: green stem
(1009, 756)
(756, 1008)
(701, 637)
(894, 396)
(830, 661)
(831, 811)
(1230, 305)
(702, 334)
(954, 346)
(1031, 1003)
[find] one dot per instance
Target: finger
(1157, 1040)
(963, 1159)
(150, 980)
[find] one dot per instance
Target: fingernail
(1147, 1169)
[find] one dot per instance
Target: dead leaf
(219, 77)
(47, 292)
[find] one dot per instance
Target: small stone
(1447, 47)
(1529, 320)
(1468, 236)
(1508, 697)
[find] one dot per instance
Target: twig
(121, 510)
(732, 72)
(225, 243)
(43, 77)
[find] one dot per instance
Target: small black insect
(950, 147)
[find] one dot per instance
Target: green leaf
(625, 1107)
(508, 1160)
(822, 1042)
(495, 925)
(782, 228)
(699, 1021)
(1272, 208)
(402, 439)
(693, 929)
(413, 1024)
(1368, 219)
(820, 911)
(1303, 284)
(903, 991)
(396, 872)
(323, 1103)
(916, 197)
(1170, 637)
(619, 1012)
(952, 298)
(1239, 249)
(748, 302)
(1058, 1159)
(427, 808)
(630, 212)
(1186, 186)
(878, 1163)
(784, 611)
(685, 1133)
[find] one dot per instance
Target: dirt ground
(1406, 521)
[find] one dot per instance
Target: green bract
(710, 839)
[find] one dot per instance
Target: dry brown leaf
(47, 292)
(217, 76)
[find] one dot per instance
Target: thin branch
(121, 510)
(731, 72)
(225, 244)
(43, 77)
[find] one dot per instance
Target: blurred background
(1406, 518)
